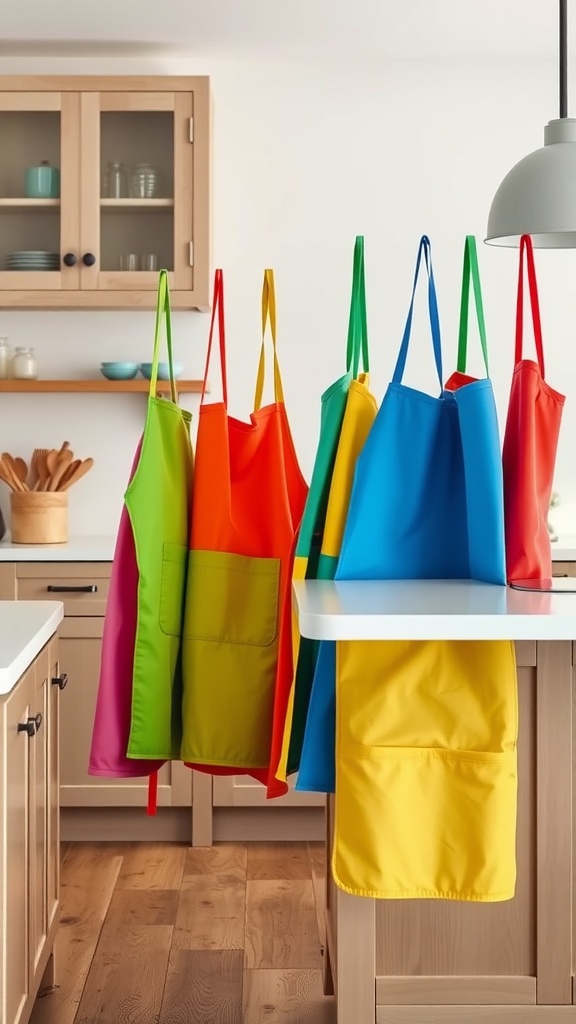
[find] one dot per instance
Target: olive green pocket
(172, 588)
(230, 652)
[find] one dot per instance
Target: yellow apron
(426, 769)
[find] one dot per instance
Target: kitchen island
(436, 962)
(30, 685)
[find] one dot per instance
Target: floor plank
(271, 861)
(211, 913)
(88, 877)
(286, 997)
(142, 906)
(124, 988)
(203, 987)
(228, 860)
(152, 866)
(281, 929)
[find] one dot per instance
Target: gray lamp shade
(538, 196)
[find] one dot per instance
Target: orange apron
(248, 500)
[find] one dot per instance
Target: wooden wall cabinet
(29, 816)
(80, 125)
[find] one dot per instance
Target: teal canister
(42, 182)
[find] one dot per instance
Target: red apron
(248, 500)
(530, 443)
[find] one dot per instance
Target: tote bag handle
(268, 312)
(217, 312)
(357, 344)
(423, 249)
(470, 271)
(526, 247)
(162, 311)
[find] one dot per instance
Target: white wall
(306, 155)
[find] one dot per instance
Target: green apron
(158, 502)
(307, 560)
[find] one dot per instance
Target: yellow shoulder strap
(268, 311)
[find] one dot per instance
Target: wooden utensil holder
(39, 517)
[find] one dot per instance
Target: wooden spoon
(73, 466)
(78, 473)
(58, 467)
(18, 467)
(9, 477)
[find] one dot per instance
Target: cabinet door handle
(37, 721)
(69, 259)
(29, 727)
(60, 681)
(88, 588)
(88, 259)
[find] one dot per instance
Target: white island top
(77, 549)
(25, 626)
(430, 610)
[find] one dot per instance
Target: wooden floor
(157, 933)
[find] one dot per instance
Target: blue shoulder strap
(424, 248)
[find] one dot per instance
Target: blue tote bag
(427, 496)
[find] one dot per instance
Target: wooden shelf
(96, 386)
(21, 203)
(125, 205)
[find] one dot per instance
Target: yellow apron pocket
(174, 557)
(425, 823)
(230, 651)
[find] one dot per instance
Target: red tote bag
(530, 444)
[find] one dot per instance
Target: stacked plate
(31, 259)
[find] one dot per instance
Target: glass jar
(145, 182)
(23, 364)
(4, 359)
(115, 185)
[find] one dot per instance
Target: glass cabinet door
(136, 203)
(39, 190)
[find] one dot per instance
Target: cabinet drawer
(83, 589)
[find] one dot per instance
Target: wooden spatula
(76, 474)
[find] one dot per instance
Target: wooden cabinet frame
(80, 101)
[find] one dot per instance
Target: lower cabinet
(29, 816)
(243, 791)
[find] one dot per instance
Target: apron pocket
(230, 656)
(172, 588)
(425, 823)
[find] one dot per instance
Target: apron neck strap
(268, 312)
(357, 323)
(470, 271)
(526, 246)
(217, 310)
(162, 311)
(423, 248)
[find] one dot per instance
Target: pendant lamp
(538, 196)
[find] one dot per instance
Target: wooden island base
(434, 962)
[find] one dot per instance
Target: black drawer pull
(60, 681)
(29, 726)
(88, 588)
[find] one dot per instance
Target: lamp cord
(563, 58)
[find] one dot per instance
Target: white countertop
(564, 549)
(25, 626)
(430, 610)
(78, 549)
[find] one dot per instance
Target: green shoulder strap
(470, 270)
(357, 323)
(163, 311)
